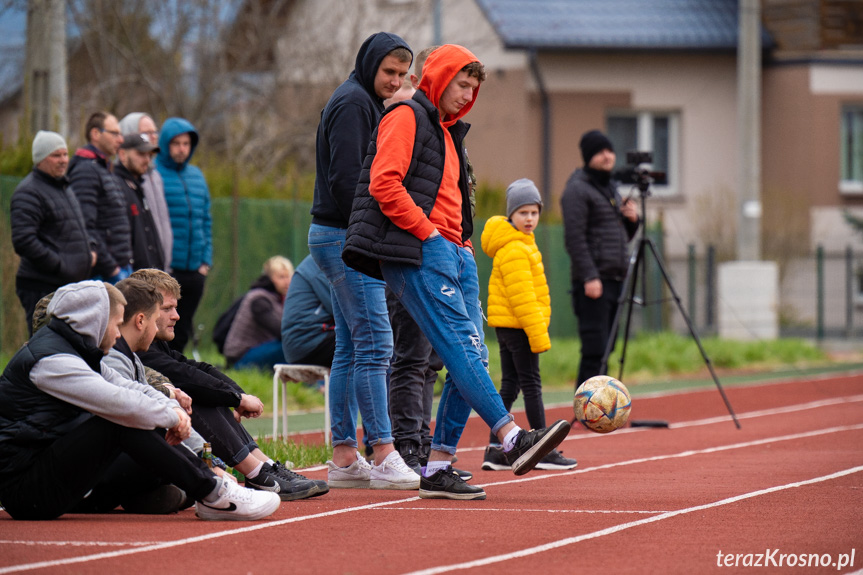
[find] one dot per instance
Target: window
(648, 132)
(851, 150)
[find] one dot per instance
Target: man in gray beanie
(597, 225)
(48, 230)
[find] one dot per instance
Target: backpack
(223, 324)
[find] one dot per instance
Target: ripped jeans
(442, 295)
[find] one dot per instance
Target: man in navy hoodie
(364, 341)
(188, 199)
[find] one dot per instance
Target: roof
(708, 25)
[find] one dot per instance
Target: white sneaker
(393, 473)
(237, 503)
(354, 476)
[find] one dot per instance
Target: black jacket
(371, 236)
(48, 231)
(203, 382)
(595, 232)
(104, 207)
(344, 132)
(146, 244)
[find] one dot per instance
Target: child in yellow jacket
(519, 308)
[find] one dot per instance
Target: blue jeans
(442, 295)
(364, 343)
(263, 356)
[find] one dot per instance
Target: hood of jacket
(131, 123)
(440, 68)
(370, 56)
(172, 128)
(84, 307)
(498, 232)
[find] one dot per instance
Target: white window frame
(849, 187)
(644, 123)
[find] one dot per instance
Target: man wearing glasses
(154, 188)
(102, 201)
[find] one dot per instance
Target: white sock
(434, 466)
(254, 472)
(509, 440)
(213, 496)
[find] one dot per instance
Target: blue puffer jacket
(188, 199)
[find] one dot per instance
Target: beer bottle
(207, 454)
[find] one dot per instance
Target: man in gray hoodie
(61, 409)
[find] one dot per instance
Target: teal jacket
(188, 199)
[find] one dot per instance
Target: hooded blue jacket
(346, 127)
(188, 199)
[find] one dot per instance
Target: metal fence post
(690, 267)
(819, 290)
(849, 291)
(710, 298)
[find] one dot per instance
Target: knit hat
(592, 143)
(521, 193)
(46, 143)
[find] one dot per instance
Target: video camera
(637, 174)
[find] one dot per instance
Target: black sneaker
(531, 446)
(162, 500)
(556, 461)
(410, 452)
(285, 472)
(495, 460)
(287, 484)
(445, 484)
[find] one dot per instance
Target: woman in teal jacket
(188, 199)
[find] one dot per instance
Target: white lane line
(487, 509)
(623, 526)
(218, 534)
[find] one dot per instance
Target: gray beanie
(520, 193)
(46, 143)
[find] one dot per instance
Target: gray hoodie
(84, 306)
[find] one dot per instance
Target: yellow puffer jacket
(517, 291)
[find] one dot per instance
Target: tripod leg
(627, 293)
(692, 332)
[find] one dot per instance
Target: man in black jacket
(133, 166)
(102, 201)
(48, 230)
(598, 225)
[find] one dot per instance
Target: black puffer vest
(30, 419)
(371, 236)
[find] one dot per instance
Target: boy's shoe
(445, 484)
(285, 473)
(355, 476)
(162, 500)
(392, 473)
(410, 452)
(495, 459)
(556, 461)
(531, 446)
(287, 484)
(235, 503)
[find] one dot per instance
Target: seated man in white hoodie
(61, 409)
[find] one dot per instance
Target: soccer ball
(602, 404)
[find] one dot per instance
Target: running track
(790, 482)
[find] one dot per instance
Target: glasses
(115, 133)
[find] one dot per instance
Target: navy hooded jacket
(188, 199)
(346, 127)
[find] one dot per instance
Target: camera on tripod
(636, 172)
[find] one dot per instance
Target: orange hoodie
(395, 143)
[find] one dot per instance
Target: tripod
(627, 293)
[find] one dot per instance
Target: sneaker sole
(554, 466)
(430, 494)
(217, 515)
(305, 494)
(489, 466)
(406, 486)
(349, 484)
(534, 455)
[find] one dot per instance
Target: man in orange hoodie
(410, 226)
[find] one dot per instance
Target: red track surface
(640, 501)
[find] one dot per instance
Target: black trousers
(413, 373)
(30, 292)
(595, 317)
(192, 286)
(323, 354)
(519, 372)
(60, 476)
(230, 440)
